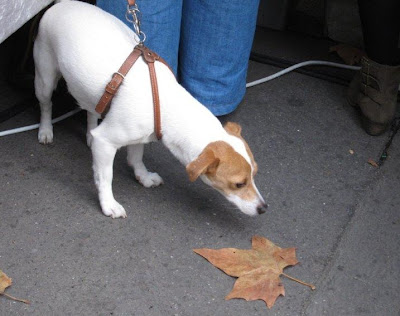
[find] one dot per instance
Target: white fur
(86, 45)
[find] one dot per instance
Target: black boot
(374, 91)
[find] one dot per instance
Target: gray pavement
(340, 213)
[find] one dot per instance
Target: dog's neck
(188, 127)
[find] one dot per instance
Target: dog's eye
(241, 185)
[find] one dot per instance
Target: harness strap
(103, 106)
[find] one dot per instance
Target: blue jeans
(206, 42)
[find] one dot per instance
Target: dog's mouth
(253, 207)
(250, 208)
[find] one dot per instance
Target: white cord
(35, 126)
(248, 85)
(304, 63)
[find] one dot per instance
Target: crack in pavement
(394, 128)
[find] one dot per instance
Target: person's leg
(374, 89)
(380, 21)
(160, 21)
(216, 39)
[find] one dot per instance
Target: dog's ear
(233, 129)
(236, 130)
(206, 163)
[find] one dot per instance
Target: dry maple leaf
(257, 270)
(5, 282)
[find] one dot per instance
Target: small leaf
(373, 163)
(5, 281)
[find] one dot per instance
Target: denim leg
(380, 22)
(160, 21)
(216, 40)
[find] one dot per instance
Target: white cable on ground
(35, 126)
(248, 85)
(303, 64)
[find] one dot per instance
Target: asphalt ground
(325, 199)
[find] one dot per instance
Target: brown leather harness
(150, 57)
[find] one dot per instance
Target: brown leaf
(258, 284)
(349, 54)
(5, 281)
(258, 269)
(373, 163)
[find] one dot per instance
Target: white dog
(85, 46)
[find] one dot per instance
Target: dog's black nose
(262, 208)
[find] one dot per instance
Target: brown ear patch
(233, 129)
(236, 130)
(205, 163)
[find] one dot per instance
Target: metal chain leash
(133, 15)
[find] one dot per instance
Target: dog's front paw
(45, 135)
(150, 179)
(113, 209)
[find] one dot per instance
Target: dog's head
(229, 167)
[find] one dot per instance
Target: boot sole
(373, 128)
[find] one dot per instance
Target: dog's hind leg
(135, 160)
(46, 78)
(103, 157)
(92, 122)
